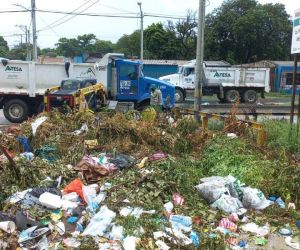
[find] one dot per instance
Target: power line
(13, 11)
(72, 13)
(60, 19)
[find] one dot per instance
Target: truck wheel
(179, 95)
(250, 96)
(232, 96)
(16, 110)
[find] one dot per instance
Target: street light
(142, 30)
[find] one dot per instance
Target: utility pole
(142, 31)
(27, 39)
(199, 60)
(29, 51)
(34, 36)
(294, 87)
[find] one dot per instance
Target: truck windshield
(70, 85)
(180, 69)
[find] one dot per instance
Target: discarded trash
(254, 198)
(291, 206)
(260, 241)
(129, 243)
(181, 222)
(27, 155)
(254, 228)
(195, 238)
(142, 163)
(38, 122)
(75, 186)
(285, 231)
(8, 226)
(51, 201)
(280, 202)
(232, 135)
(84, 128)
(117, 233)
(292, 243)
(157, 156)
(178, 199)
(71, 242)
(227, 203)
(90, 144)
(161, 245)
(25, 143)
(100, 222)
(227, 224)
(46, 152)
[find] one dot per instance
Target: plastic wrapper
(100, 223)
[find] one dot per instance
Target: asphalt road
(3, 121)
(212, 105)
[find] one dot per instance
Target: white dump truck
(23, 84)
(229, 83)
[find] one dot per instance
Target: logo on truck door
(13, 69)
(217, 74)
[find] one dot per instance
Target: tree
(160, 43)
(3, 47)
(68, 47)
(51, 52)
(129, 44)
(186, 34)
(103, 47)
(19, 52)
(242, 31)
(86, 43)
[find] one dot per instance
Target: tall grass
(280, 136)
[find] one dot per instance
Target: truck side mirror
(4, 62)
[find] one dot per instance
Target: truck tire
(16, 110)
(179, 95)
(232, 96)
(250, 96)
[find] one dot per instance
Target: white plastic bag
(212, 191)
(100, 222)
(255, 229)
(89, 195)
(254, 198)
(228, 204)
(38, 122)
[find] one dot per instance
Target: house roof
(267, 64)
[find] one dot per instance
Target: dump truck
(23, 84)
(229, 83)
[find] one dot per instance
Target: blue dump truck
(24, 84)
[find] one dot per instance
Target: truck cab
(124, 81)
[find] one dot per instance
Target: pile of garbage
(118, 182)
(230, 196)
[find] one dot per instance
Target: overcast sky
(104, 28)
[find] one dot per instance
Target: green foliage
(234, 28)
(187, 125)
(129, 44)
(161, 43)
(3, 47)
(279, 138)
(224, 156)
(186, 35)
